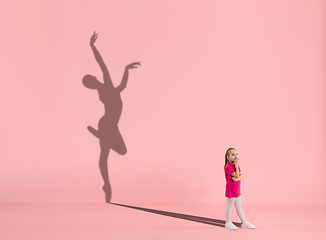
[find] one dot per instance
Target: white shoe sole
(231, 228)
(248, 227)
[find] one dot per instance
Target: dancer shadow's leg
(103, 163)
(110, 138)
(93, 131)
(117, 143)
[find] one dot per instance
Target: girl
(233, 177)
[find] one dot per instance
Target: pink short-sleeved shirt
(232, 188)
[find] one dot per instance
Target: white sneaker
(230, 226)
(247, 225)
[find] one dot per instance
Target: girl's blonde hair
(227, 154)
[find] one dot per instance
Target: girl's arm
(238, 178)
(236, 173)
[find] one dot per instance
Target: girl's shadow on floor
(210, 221)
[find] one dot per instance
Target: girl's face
(233, 156)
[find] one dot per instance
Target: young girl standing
(233, 177)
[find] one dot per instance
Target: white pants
(229, 203)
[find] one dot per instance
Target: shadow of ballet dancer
(108, 131)
(209, 221)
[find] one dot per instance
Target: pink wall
(214, 74)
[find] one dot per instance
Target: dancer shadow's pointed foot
(93, 131)
(108, 192)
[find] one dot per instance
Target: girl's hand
(236, 163)
(234, 179)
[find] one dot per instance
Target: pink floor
(107, 221)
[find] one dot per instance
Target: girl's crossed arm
(236, 167)
(238, 178)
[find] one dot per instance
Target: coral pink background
(214, 74)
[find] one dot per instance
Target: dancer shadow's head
(90, 82)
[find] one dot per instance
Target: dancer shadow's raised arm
(125, 77)
(99, 59)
